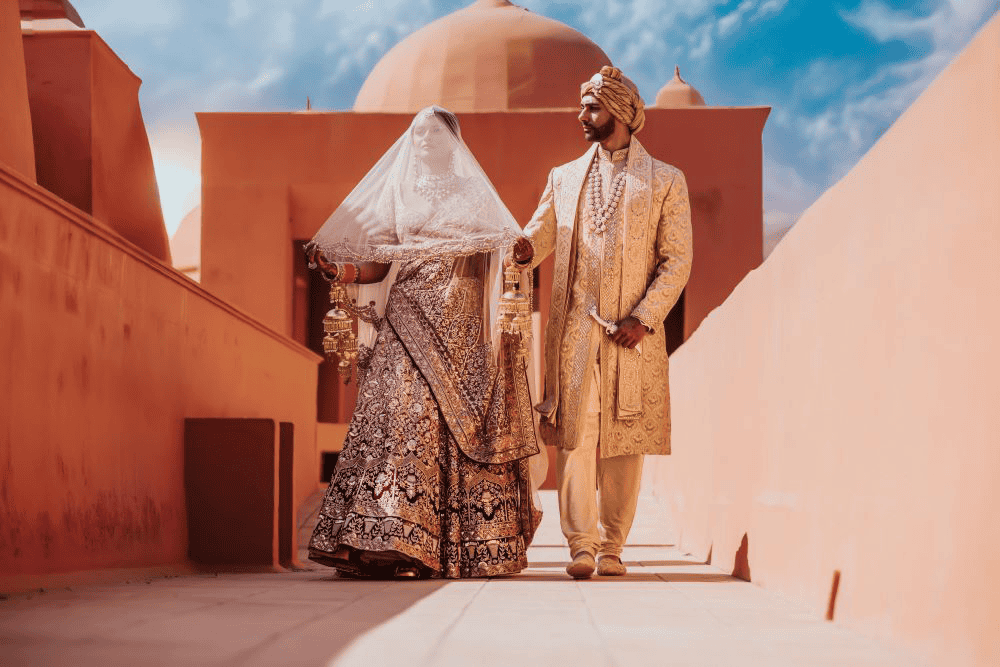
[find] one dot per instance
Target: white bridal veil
(426, 197)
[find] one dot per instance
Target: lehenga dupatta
(492, 421)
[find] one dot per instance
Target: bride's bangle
(342, 274)
(334, 276)
(521, 264)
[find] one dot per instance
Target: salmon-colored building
(834, 426)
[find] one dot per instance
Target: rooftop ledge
(90, 225)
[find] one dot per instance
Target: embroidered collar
(607, 156)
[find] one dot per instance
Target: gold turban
(621, 97)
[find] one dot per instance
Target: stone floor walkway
(668, 610)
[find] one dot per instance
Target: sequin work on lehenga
(402, 484)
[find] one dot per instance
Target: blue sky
(837, 74)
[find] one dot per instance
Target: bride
(433, 477)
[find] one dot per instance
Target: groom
(620, 226)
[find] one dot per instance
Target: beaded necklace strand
(601, 212)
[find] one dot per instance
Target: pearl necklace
(601, 212)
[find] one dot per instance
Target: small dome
(185, 245)
(678, 93)
(489, 56)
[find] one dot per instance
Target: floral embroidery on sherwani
(404, 482)
(653, 233)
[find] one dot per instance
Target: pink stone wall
(103, 354)
(840, 408)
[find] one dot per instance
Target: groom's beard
(599, 132)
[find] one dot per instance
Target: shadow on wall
(741, 562)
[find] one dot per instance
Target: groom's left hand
(630, 332)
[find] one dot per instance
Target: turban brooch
(621, 97)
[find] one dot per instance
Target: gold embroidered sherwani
(637, 267)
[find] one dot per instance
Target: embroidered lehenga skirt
(434, 470)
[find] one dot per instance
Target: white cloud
(820, 130)
(653, 24)
(823, 78)
(948, 28)
(239, 11)
(701, 42)
(748, 11)
(728, 23)
(767, 8)
(947, 24)
(268, 76)
(637, 50)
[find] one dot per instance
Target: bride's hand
(328, 269)
(523, 251)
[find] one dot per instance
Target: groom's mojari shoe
(582, 566)
(611, 566)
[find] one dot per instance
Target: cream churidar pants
(581, 477)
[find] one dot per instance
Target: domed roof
(489, 56)
(678, 93)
